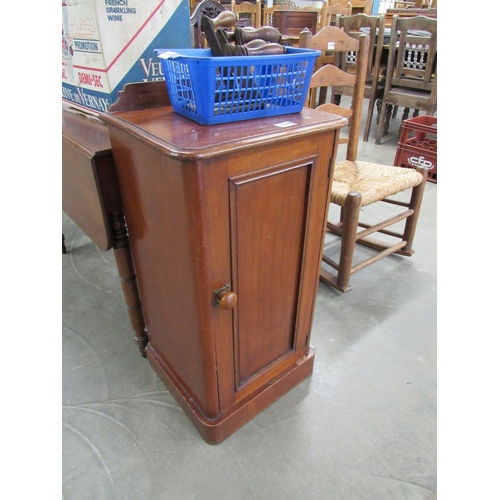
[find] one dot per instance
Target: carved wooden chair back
(247, 10)
(209, 8)
(411, 69)
(374, 26)
(328, 75)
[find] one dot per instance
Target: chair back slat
(334, 40)
(330, 73)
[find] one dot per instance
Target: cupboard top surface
(182, 138)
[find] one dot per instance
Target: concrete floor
(362, 427)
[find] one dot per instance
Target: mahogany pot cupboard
(226, 226)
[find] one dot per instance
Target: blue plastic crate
(212, 90)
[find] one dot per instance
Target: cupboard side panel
(161, 201)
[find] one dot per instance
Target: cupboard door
(270, 213)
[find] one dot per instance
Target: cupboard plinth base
(215, 430)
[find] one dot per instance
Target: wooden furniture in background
(292, 22)
(321, 14)
(362, 7)
(345, 3)
(333, 10)
(412, 72)
(358, 184)
(249, 11)
(91, 198)
(226, 225)
(405, 5)
(404, 13)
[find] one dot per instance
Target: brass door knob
(224, 298)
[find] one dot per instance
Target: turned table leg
(123, 256)
(387, 122)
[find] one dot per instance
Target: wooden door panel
(268, 212)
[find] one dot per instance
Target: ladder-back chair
(357, 183)
(354, 26)
(247, 10)
(411, 70)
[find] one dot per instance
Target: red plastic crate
(417, 145)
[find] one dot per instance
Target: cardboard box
(108, 43)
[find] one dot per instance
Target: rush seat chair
(355, 183)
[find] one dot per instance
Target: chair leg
(369, 117)
(342, 216)
(381, 123)
(387, 122)
(417, 195)
(349, 231)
